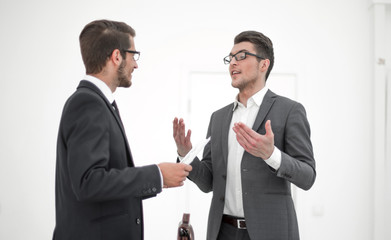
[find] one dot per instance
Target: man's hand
(256, 144)
(182, 141)
(174, 174)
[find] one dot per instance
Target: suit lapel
(267, 103)
(89, 85)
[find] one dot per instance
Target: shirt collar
(102, 87)
(257, 98)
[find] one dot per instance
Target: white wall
(327, 44)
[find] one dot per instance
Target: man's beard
(123, 80)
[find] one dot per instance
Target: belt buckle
(238, 221)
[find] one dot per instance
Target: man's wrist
(274, 160)
(179, 156)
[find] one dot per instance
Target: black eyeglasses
(136, 55)
(239, 57)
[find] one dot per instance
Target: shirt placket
(243, 117)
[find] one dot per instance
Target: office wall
(327, 44)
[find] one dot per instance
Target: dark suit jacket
(99, 190)
(267, 202)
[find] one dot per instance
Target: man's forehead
(132, 43)
(241, 47)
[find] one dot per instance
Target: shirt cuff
(161, 176)
(180, 158)
(275, 159)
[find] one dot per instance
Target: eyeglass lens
(238, 56)
(136, 56)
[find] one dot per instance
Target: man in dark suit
(248, 164)
(99, 190)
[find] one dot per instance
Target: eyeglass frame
(230, 57)
(134, 53)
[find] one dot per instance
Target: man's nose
(233, 61)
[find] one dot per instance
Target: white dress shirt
(233, 193)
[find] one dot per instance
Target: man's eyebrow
(243, 50)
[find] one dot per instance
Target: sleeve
(202, 173)
(297, 159)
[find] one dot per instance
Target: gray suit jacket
(267, 201)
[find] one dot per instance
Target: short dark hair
(99, 39)
(263, 46)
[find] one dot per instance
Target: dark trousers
(229, 232)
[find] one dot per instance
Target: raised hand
(183, 142)
(256, 144)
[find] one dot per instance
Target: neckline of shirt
(257, 98)
(102, 87)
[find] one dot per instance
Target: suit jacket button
(222, 199)
(138, 221)
(224, 177)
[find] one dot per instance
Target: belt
(235, 221)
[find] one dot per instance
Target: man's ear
(116, 57)
(264, 65)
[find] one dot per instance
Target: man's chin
(234, 84)
(125, 84)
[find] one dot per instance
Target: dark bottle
(185, 230)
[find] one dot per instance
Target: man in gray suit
(259, 145)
